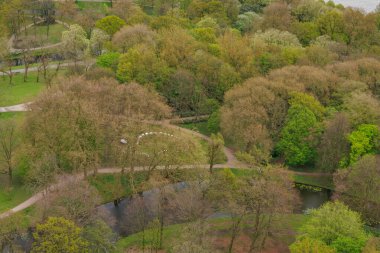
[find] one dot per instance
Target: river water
(120, 218)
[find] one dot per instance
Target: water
(120, 218)
(367, 5)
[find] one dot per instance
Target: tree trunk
(10, 173)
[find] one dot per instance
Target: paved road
(15, 108)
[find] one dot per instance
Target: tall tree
(8, 140)
(359, 187)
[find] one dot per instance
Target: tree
(42, 172)
(331, 23)
(75, 201)
(6, 59)
(265, 196)
(334, 146)
(75, 43)
(236, 51)
(347, 244)
(227, 194)
(7, 146)
(10, 229)
(130, 36)
(108, 60)
(296, 143)
(277, 15)
(66, 10)
(97, 40)
(307, 244)
(213, 122)
(364, 140)
(78, 121)
(362, 108)
(110, 24)
(142, 65)
(215, 147)
(332, 221)
(246, 117)
(58, 235)
(100, 237)
(358, 187)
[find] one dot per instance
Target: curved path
(232, 162)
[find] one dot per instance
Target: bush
(213, 123)
(108, 60)
(348, 245)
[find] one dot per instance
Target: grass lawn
(100, 7)
(39, 34)
(11, 196)
(200, 127)
(20, 91)
(17, 116)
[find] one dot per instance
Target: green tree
(331, 23)
(332, 221)
(58, 235)
(110, 24)
(108, 60)
(306, 244)
(213, 123)
(365, 140)
(297, 137)
(215, 149)
(100, 237)
(349, 245)
(142, 65)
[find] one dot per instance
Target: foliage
(108, 60)
(99, 236)
(74, 42)
(333, 221)
(307, 244)
(364, 140)
(110, 24)
(358, 187)
(213, 123)
(141, 64)
(347, 244)
(58, 235)
(295, 141)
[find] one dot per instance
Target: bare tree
(7, 146)
(6, 59)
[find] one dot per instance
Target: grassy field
(200, 127)
(100, 7)
(39, 34)
(20, 91)
(12, 196)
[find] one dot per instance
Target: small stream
(119, 218)
(122, 218)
